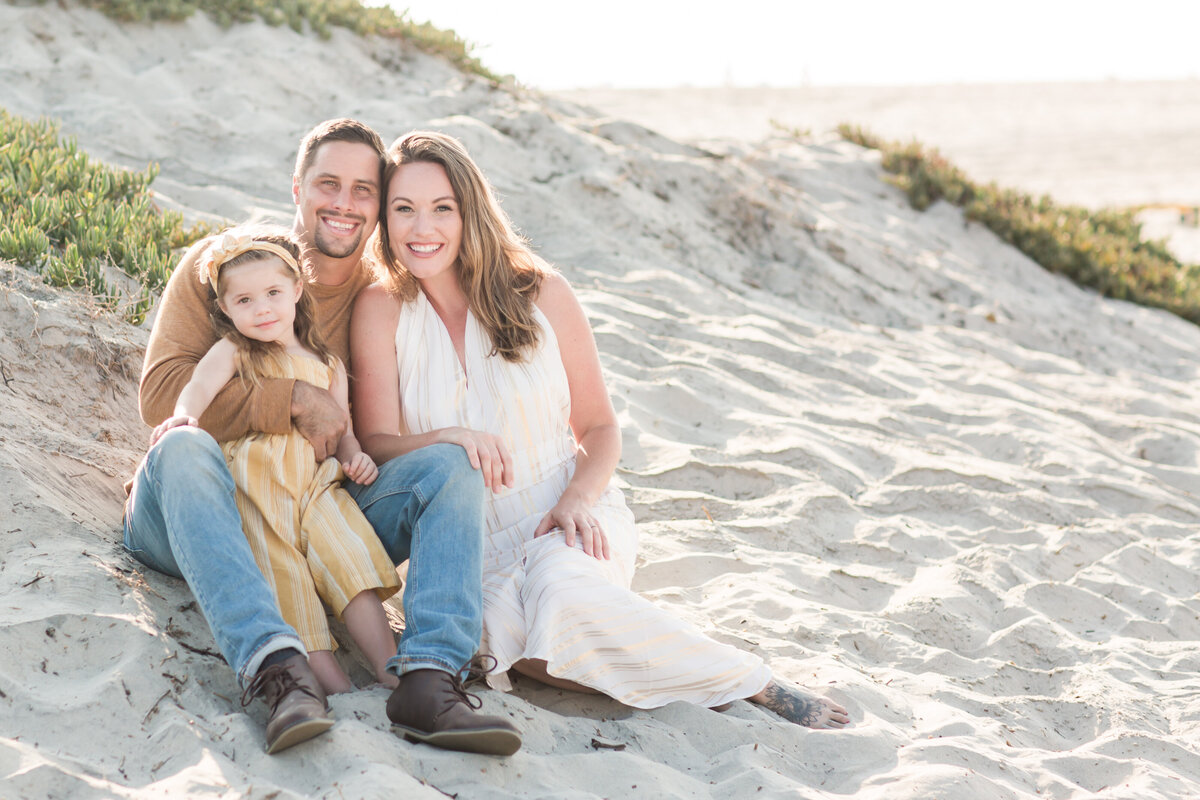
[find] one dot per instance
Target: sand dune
(878, 447)
(1111, 143)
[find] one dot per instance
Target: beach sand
(878, 447)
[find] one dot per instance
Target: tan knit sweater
(183, 333)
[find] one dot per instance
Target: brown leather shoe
(432, 706)
(298, 710)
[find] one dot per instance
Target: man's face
(337, 199)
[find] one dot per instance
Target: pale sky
(561, 44)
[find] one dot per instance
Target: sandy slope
(1106, 142)
(878, 447)
(1110, 143)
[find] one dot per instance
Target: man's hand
(318, 417)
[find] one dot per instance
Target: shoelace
(473, 672)
(477, 669)
(287, 683)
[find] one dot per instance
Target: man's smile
(341, 225)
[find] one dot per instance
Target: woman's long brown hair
(496, 270)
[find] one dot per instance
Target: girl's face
(423, 219)
(260, 298)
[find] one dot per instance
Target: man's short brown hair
(336, 130)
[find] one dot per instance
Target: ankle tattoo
(793, 706)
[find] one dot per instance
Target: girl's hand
(361, 469)
(487, 454)
(177, 421)
(574, 517)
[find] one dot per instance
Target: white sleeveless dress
(542, 599)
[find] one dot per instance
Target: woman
(468, 338)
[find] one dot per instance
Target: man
(426, 506)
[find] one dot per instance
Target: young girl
(307, 534)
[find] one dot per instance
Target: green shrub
(321, 15)
(1102, 250)
(70, 218)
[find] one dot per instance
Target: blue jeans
(181, 519)
(427, 506)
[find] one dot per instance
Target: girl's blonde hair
(242, 246)
(496, 270)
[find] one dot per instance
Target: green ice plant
(72, 219)
(1099, 249)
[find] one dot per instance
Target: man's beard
(337, 248)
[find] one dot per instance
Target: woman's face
(423, 219)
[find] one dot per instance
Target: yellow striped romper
(308, 535)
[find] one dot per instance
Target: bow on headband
(230, 246)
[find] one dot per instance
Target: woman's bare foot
(800, 707)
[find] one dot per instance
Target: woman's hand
(487, 454)
(574, 516)
(361, 469)
(177, 421)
